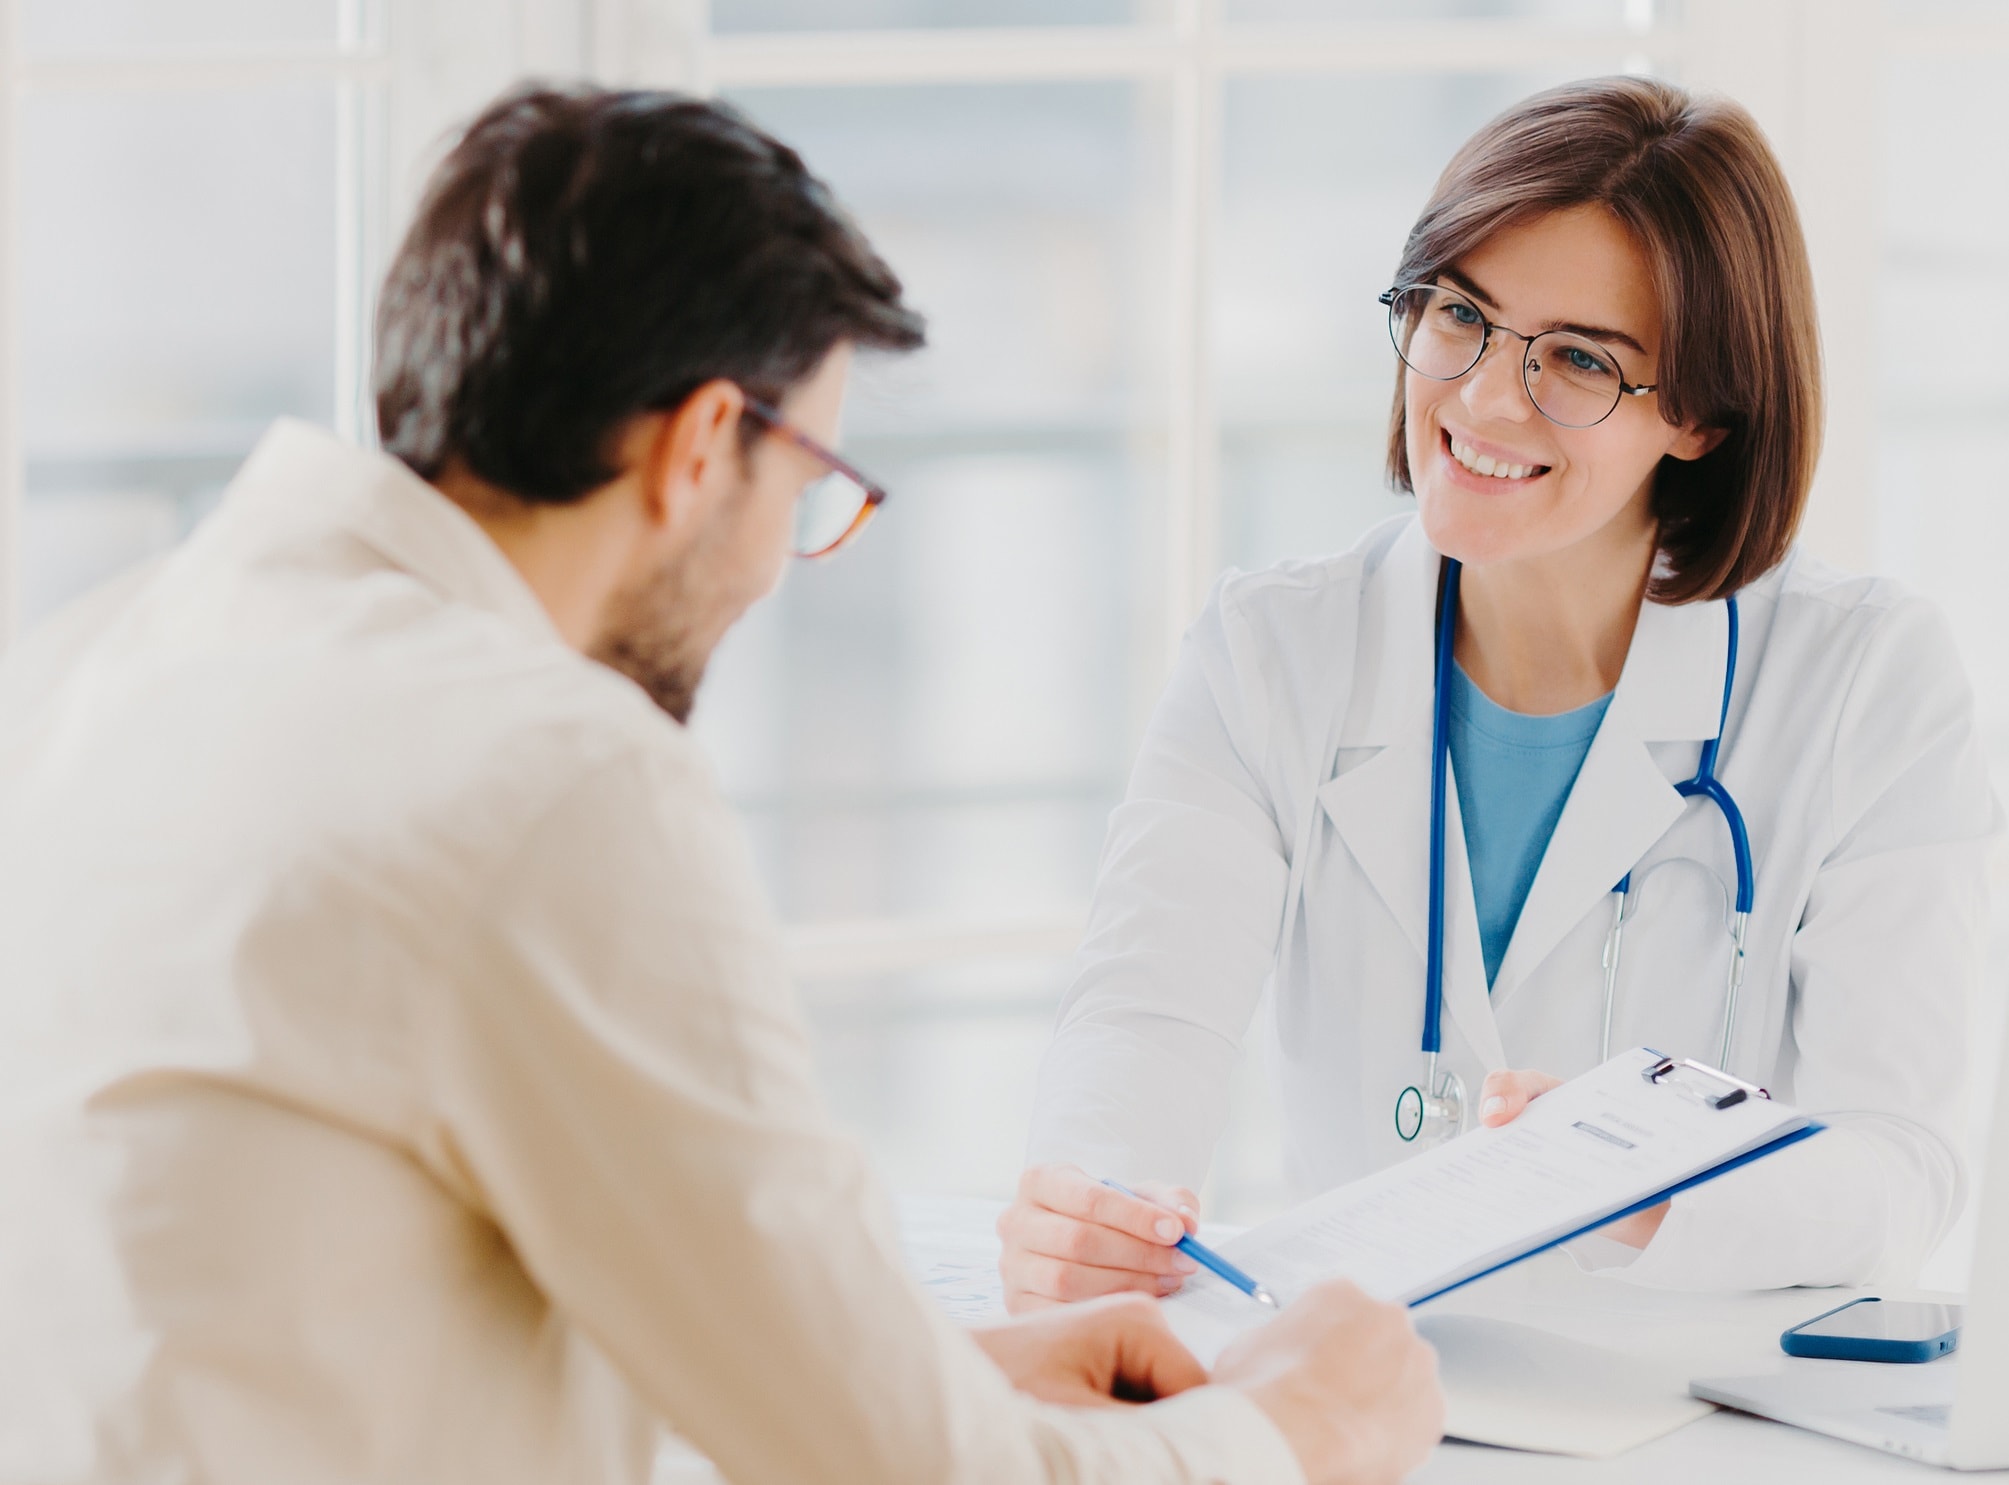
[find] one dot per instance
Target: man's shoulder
(358, 716)
(513, 724)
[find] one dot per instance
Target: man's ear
(1693, 442)
(693, 456)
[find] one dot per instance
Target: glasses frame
(1626, 389)
(770, 418)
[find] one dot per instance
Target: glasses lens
(1438, 332)
(1573, 381)
(828, 513)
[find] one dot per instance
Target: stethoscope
(1436, 1107)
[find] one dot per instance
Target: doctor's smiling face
(1577, 268)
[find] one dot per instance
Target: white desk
(950, 1240)
(1702, 1335)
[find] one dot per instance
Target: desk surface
(1702, 1335)
(950, 1243)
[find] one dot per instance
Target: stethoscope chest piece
(1433, 1116)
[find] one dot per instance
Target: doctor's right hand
(1069, 1237)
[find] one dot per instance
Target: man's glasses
(835, 507)
(1439, 333)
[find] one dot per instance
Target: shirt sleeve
(1886, 966)
(1181, 935)
(623, 1082)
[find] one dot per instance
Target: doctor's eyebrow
(1470, 286)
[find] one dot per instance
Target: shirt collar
(303, 482)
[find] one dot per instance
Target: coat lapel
(1381, 811)
(1671, 690)
(1466, 997)
(1380, 805)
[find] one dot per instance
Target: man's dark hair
(583, 256)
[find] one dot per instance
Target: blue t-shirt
(1514, 774)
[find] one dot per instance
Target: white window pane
(1943, 489)
(935, 1070)
(61, 27)
(1554, 12)
(177, 281)
(728, 16)
(1322, 179)
(938, 719)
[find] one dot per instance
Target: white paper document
(1518, 1387)
(1578, 1156)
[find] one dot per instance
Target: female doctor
(1597, 638)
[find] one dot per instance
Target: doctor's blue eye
(1464, 315)
(1577, 359)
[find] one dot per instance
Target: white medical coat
(1276, 832)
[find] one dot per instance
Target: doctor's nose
(1494, 388)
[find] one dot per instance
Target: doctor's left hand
(1501, 1099)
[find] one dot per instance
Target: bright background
(1148, 236)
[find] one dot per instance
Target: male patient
(401, 1080)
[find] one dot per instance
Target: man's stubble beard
(653, 636)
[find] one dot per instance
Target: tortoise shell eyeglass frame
(869, 494)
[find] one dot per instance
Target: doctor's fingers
(1070, 1190)
(1034, 1230)
(1504, 1094)
(1173, 1198)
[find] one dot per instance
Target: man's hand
(1347, 1382)
(1114, 1350)
(1501, 1100)
(1070, 1237)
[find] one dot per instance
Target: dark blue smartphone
(1877, 1330)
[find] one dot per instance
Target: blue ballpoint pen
(1207, 1258)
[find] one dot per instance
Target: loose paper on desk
(1576, 1157)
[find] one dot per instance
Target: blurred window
(185, 219)
(733, 16)
(177, 255)
(936, 722)
(118, 28)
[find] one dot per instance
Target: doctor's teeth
(1499, 469)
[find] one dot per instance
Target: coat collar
(302, 485)
(1670, 690)
(1671, 687)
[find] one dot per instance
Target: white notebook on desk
(1622, 1137)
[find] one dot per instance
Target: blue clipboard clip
(1709, 1086)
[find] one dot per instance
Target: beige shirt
(400, 1077)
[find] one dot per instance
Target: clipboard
(1597, 1149)
(1712, 1087)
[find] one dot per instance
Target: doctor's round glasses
(836, 506)
(1572, 380)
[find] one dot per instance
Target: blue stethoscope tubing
(1445, 1092)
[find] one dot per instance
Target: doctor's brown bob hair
(1692, 178)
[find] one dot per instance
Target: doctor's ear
(1693, 443)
